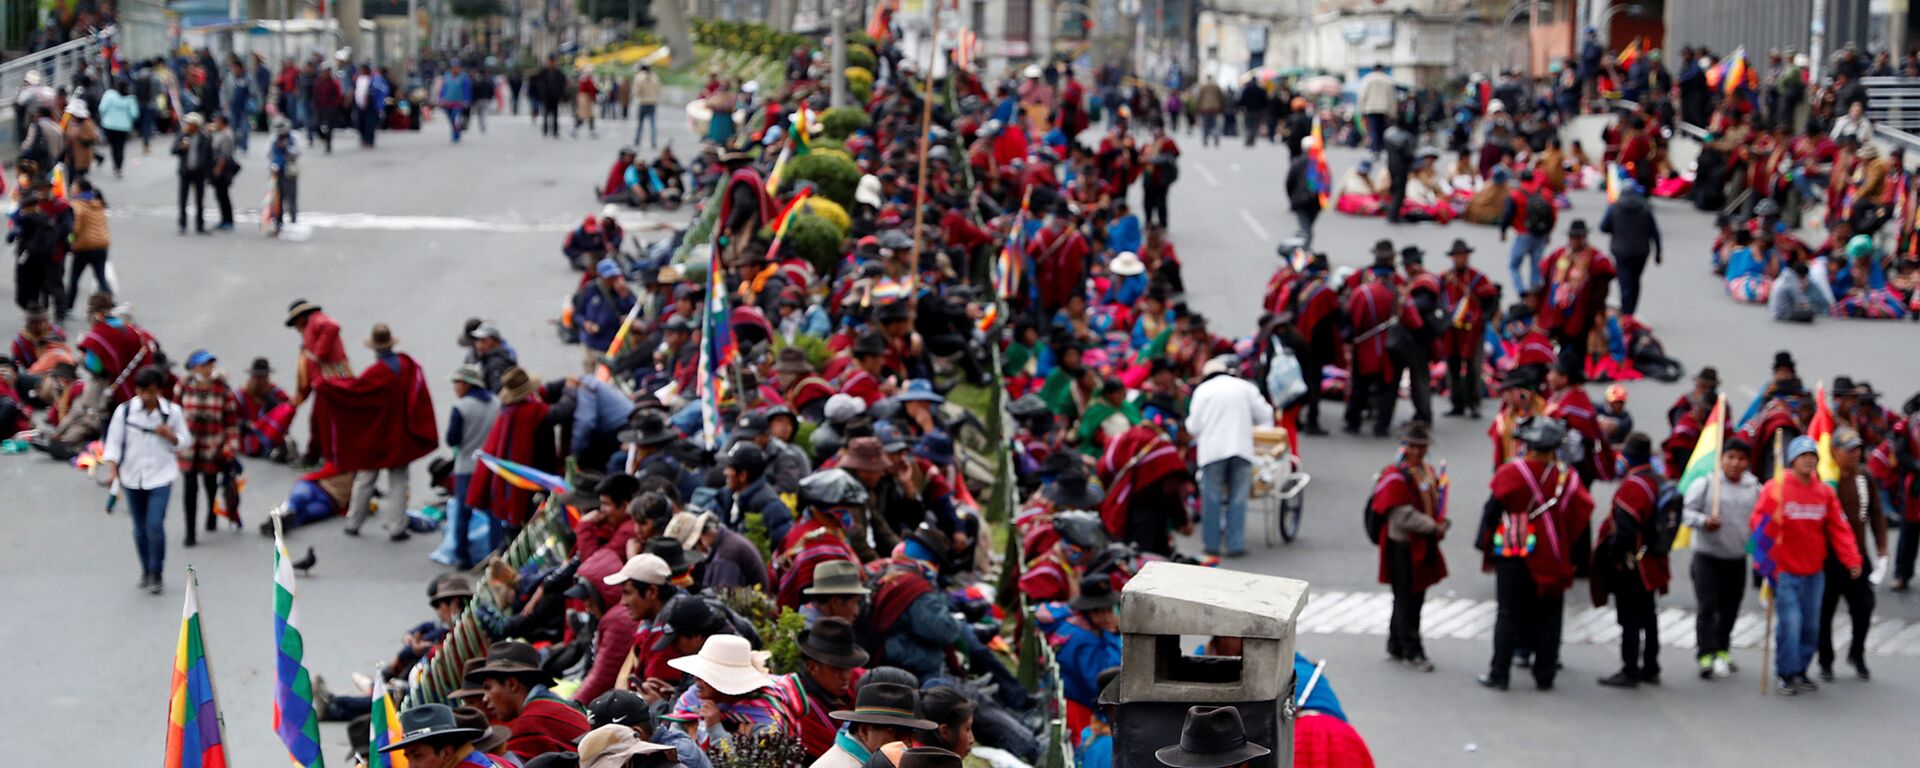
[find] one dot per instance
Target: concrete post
(837, 95)
(1158, 680)
(347, 14)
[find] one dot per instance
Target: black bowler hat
(1072, 490)
(1096, 593)
(1577, 229)
(431, 722)
(889, 704)
(1212, 737)
(669, 549)
(830, 641)
(1459, 247)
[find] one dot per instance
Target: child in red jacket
(1802, 517)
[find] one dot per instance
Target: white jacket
(1221, 418)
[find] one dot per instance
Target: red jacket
(547, 723)
(1576, 290)
(511, 438)
(1805, 520)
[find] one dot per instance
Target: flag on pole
(1629, 54)
(799, 132)
(522, 476)
(779, 165)
(384, 721)
(1319, 177)
(1704, 461)
(196, 736)
(717, 352)
(293, 716)
(1760, 542)
(1616, 182)
(1821, 430)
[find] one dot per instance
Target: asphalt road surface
(422, 234)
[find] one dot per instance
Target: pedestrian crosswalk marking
(1337, 612)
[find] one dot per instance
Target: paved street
(422, 234)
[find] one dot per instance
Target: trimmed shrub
(841, 122)
(831, 211)
(834, 176)
(815, 239)
(862, 57)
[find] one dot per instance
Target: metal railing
(58, 66)
(1893, 102)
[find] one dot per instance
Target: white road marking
(385, 222)
(1336, 612)
(1212, 180)
(1254, 224)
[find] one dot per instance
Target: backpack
(1667, 509)
(1374, 522)
(1539, 214)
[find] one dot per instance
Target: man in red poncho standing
(1576, 277)
(1371, 309)
(382, 420)
(1537, 510)
(1408, 498)
(1146, 481)
(322, 357)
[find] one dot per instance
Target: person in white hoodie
(1718, 518)
(1221, 417)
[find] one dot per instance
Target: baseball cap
(618, 708)
(645, 568)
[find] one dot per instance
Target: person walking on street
(1630, 562)
(322, 357)
(328, 101)
(1531, 216)
(1221, 418)
(40, 229)
(1860, 501)
(225, 167)
(1803, 518)
(585, 93)
(80, 134)
(196, 161)
(142, 439)
(548, 88)
(1209, 102)
(213, 418)
(1162, 160)
(485, 86)
(1376, 97)
(283, 163)
(1303, 192)
(90, 240)
(1407, 500)
(456, 96)
(1399, 148)
(119, 112)
(646, 93)
(1718, 518)
(1635, 235)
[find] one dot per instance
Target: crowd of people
(747, 418)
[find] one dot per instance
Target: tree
(671, 16)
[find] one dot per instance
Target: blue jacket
(598, 408)
(918, 643)
(118, 111)
(1084, 653)
(597, 313)
(1124, 234)
(456, 90)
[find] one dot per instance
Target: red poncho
(1369, 308)
(1468, 294)
(512, 439)
(1060, 258)
(1521, 487)
(1393, 490)
(119, 347)
(1135, 460)
(384, 418)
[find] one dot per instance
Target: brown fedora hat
(381, 339)
(889, 704)
(830, 641)
(511, 659)
(864, 453)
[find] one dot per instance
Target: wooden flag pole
(926, 126)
